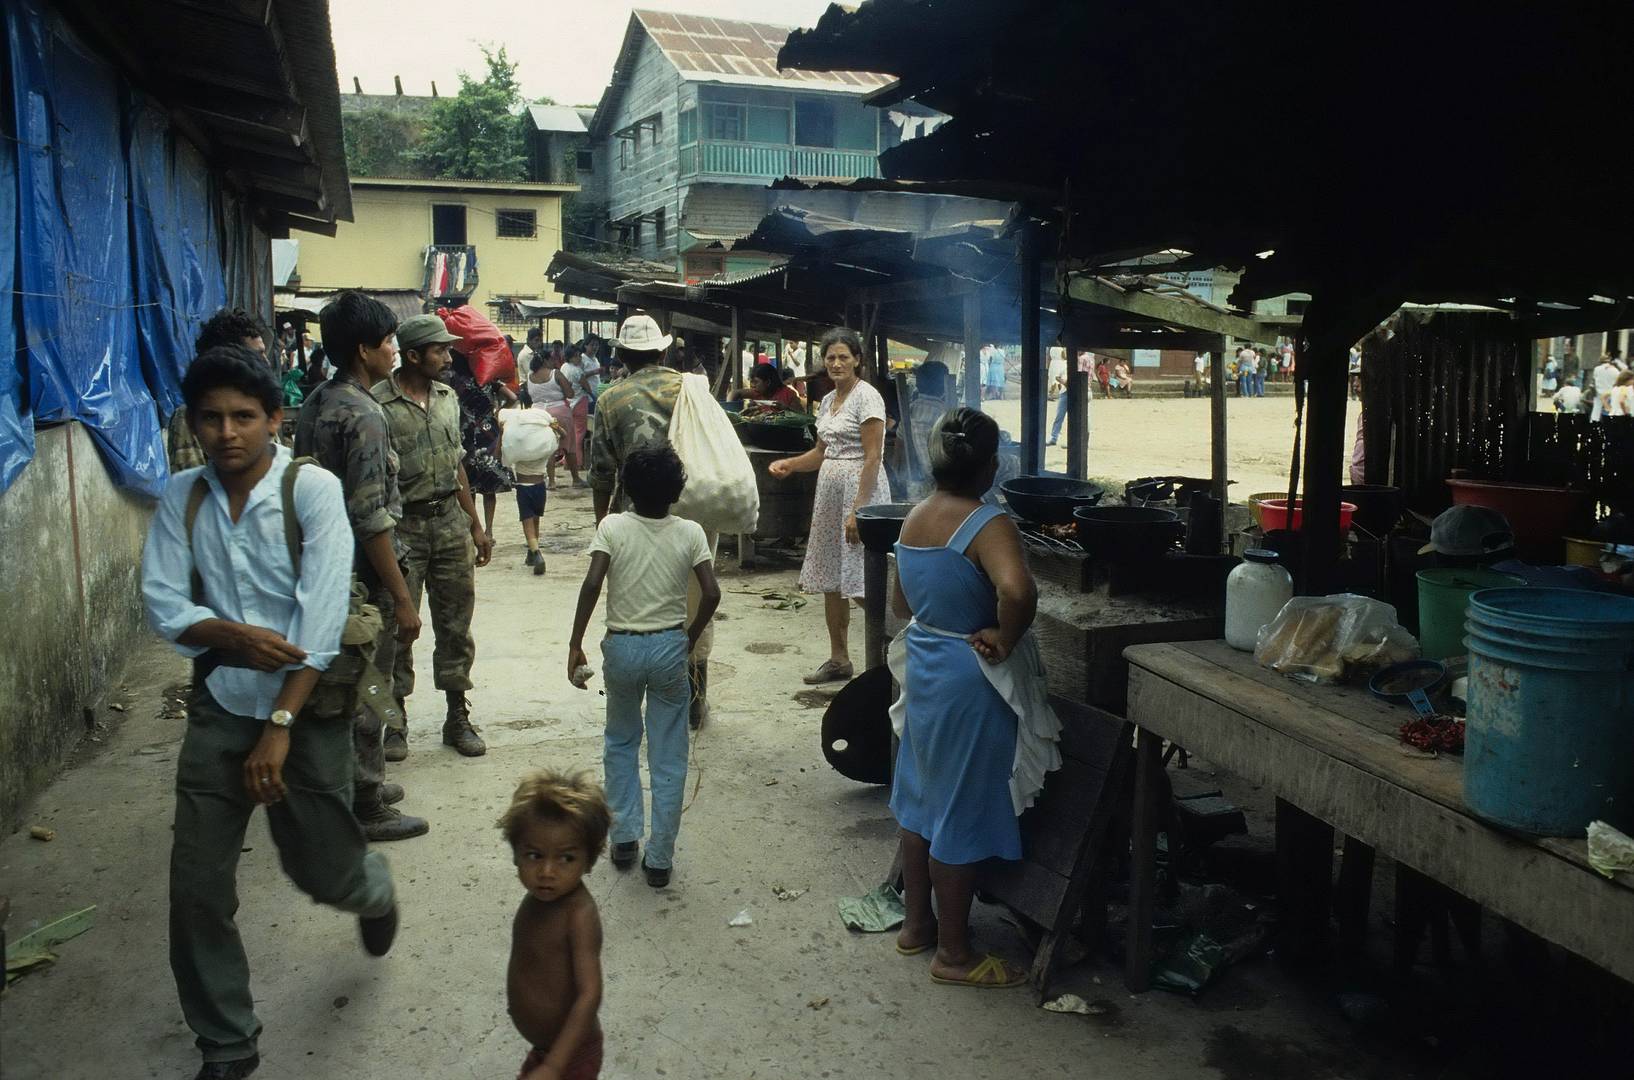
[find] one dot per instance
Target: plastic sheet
(16, 427)
(177, 262)
(75, 277)
(1334, 638)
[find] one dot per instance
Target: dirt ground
(1170, 437)
(794, 995)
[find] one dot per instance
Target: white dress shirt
(248, 576)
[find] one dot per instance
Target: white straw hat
(641, 333)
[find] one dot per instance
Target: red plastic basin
(1540, 516)
(1274, 514)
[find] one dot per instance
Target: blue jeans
(654, 666)
(1259, 384)
(1060, 416)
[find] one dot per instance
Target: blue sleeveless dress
(959, 737)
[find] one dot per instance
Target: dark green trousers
(320, 845)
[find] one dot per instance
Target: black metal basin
(786, 438)
(880, 525)
(1128, 533)
(1049, 500)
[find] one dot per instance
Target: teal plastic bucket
(1443, 596)
(1549, 738)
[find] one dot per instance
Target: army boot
(457, 729)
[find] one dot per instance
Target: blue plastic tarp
(16, 426)
(74, 230)
(176, 252)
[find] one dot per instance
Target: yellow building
(428, 235)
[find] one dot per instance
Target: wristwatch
(282, 718)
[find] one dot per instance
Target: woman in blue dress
(962, 577)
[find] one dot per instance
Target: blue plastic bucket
(1549, 740)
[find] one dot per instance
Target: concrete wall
(71, 579)
(384, 247)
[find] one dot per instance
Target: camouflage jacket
(181, 445)
(631, 414)
(344, 428)
(427, 440)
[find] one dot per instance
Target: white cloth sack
(529, 441)
(1020, 682)
(720, 494)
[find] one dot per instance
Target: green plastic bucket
(1443, 600)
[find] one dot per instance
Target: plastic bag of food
(1340, 638)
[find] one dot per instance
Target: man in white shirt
(220, 580)
(1605, 377)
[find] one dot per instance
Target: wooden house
(698, 120)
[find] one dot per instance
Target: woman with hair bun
(850, 447)
(977, 731)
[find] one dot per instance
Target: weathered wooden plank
(1534, 884)
(1137, 971)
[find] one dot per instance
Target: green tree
(380, 142)
(477, 134)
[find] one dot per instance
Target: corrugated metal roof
(728, 51)
(556, 118)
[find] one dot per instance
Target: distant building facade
(696, 123)
(454, 241)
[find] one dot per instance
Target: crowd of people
(1607, 391)
(293, 578)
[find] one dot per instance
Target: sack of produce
(529, 440)
(482, 345)
(1340, 638)
(720, 493)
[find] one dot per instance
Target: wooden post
(1034, 401)
(1304, 876)
(1143, 828)
(971, 378)
(1077, 392)
(1219, 467)
(736, 357)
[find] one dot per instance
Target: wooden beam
(1077, 412)
(937, 288)
(1034, 401)
(1219, 463)
(304, 224)
(971, 377)
(1128, 339)
(1172, 312)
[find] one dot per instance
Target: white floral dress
(832, 565)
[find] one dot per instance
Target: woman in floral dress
(850, 447)
(479, 433)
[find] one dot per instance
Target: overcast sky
(565, 48)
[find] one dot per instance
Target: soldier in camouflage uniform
(634, 414)
(229, 326)
(342, 426)
(439, 528)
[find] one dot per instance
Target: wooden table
(1333, 753)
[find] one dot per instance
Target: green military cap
(422, 330)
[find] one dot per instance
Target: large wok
(1049, 500)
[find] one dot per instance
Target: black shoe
(396, 741)
(624, 854)
(381, 823)
(458, 732)
(379, 932)
(229, 1070)
(656, 878)
(391, 793)
(536, 559)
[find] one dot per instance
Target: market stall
(1333, 759)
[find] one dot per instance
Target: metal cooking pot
(1049, 500)
(1128, 533)
(879, 525)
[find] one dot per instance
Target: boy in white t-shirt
(646, 557)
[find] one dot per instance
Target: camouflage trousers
(440, 563)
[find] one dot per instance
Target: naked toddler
(557, 826)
